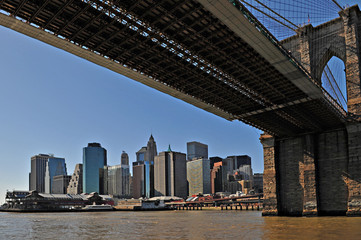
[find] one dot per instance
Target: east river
(174, 225)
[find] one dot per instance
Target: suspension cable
(264, 5)
(332, 87)
(338, 5)
(268, 15)
(334, 80)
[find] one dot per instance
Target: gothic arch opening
(334, 80)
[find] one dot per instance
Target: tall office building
(241, 165)
(198, 176)
(138, 180)
(59, 184)
(170, 174)
(143, 170)
(76, 181)
(217, 177)
(258, 182)
(196, 150)
(151, 150)
(238, 173)
(117, 178)
(234, 162)
(94, 160)
(54, 167)
(37, 172)
(124, 163)
(117, 181)
(141, 154)
(214, 160)
(124, 159)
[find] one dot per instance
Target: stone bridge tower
(320, 173)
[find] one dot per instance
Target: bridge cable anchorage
(338, 5)
(255, 8)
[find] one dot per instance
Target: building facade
(196, 150)
(141, 154)
(76, 181)
(143, 180)
(170, 174)
(116, 178)
(138, 180)
(217, 178)
(198, 176)
(54, 167)
(117, 181)
(258, 182)
(94, 160)
(60, 184)
(214, 160)
(37, 172)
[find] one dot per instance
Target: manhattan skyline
(54, 102)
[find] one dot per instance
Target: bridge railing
(252, 19)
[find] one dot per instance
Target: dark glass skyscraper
(94, 160)
(54, 167)
(196, 150)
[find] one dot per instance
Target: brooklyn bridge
(219, 56)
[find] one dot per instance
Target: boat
(98, 208)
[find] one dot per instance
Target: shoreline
(128, 209)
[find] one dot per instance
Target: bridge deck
(188, 47)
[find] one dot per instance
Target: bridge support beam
(352, 30)
(353, 178)
(308, 176)
(270, 199)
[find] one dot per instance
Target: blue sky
(54, 102)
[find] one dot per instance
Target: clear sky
(54, 102)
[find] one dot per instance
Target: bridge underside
(185, 48)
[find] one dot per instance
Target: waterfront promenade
(174, 225)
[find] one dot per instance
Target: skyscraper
(151, 150)
(124, 159)
(217, 177)
(141, 154)
(124, 162)
(198, 176)
(240, 164)
(37, 172)
(143, 170)
(170, 174)
(138, 179)
(94, 160)
(59, 184)
(76, 182)
(214, 160)
(117, 178)
(54, 167)
(196, 150)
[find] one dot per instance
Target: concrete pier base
(310, 175)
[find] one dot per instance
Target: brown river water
(174, 225)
